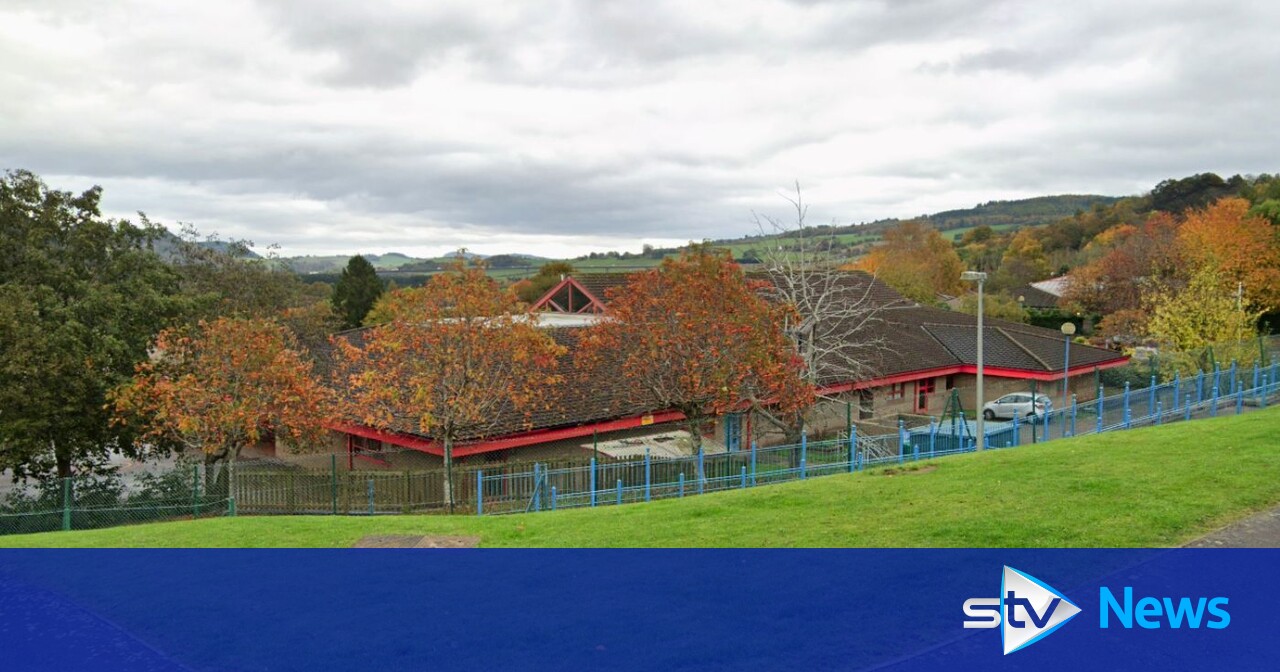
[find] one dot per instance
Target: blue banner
(647, 610)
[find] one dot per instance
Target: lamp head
(1068, 328)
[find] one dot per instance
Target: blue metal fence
(1207, 394)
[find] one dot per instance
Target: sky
(561, 127)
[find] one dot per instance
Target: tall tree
(1024, 261)
(456, 359)
(226, 278)
(837, 313)
(1242, 247)
(1201, 314)
(221, 386)
(80, 298)
(916, 260)
(697, 336)
(356, 291)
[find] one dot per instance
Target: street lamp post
(979, 277)
(1068, 330)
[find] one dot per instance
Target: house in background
(925, 356)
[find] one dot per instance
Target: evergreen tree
(356, 291)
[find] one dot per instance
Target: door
(924, 388)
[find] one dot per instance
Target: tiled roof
(599, 284)
(1034, 297)
(913, 338)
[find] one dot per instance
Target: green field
(1149, 487)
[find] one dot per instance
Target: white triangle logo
(1029, 609)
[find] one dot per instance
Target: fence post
(537, 488)
(593, 481)
(1046, 422)
(1101, 390)
(553, 498)
(1159, 411)
(1188, 406)
(1125, 417)
(480, 492)
(333, 482)
(1232, 376)
(753, 463)
(619, 492)
(804, 453)
(744, 475)
(66, 503)
(1239, 396)
(369, 492)
(681, 479)
(933, 436)
(1017, 431)
(853, 449)
(1074, 408)
(1177, 384)
(901, 447)
(1213, 405)
(195, 491)
(647, 476)
(702, 475)
(1151, 396)
(231, 489)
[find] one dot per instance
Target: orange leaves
(454, 357)
(1242, 248)
(695, 335)
(221, 385)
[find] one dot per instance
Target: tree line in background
(1195, 261)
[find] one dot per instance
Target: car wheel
(989, 414)
(1031, 415)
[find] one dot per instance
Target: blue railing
(1207, 394)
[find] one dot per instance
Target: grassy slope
(1149, 487)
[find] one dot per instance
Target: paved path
(1261, 530)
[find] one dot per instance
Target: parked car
(1017, 405)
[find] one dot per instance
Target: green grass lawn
(1148, 487)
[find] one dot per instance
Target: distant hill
(167, 247)
(997, 214)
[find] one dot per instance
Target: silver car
(1016, 405)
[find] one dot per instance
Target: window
(924, 388)
(866, 404)
(951, 382)
(897, 391)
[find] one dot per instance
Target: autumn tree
(457, 359)
(223, 385)
(1242, 248)
(916, 260)
(1202, 314)
(1140, 262)
(695, 335)
(997, 305)
(1023, 261)
(356, 291)
(80, 298)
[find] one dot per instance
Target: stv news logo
(1027, 610)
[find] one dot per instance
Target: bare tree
(838, 334)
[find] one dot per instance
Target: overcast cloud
(560, 127)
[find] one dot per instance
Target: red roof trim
(662, 417)
(597, 305)
(511, 441)
(996, 371)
